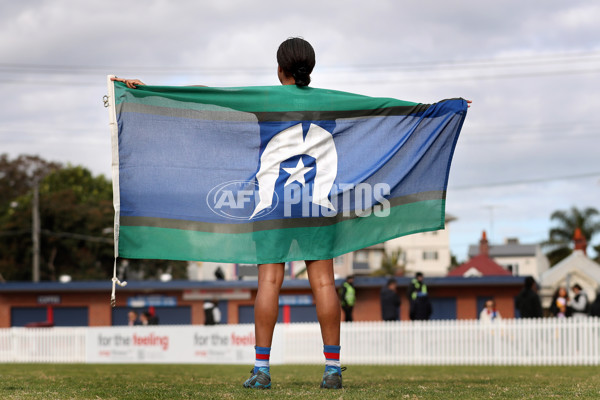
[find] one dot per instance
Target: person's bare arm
(131, 83)
(134, 83)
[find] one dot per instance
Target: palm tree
(390, 265)
(561, 236)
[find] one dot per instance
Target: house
(481, 264)
(576, 268)
(519, 259)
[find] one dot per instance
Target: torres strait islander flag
(276, 173)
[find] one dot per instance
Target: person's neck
(288, 80)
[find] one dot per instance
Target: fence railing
(506, 342)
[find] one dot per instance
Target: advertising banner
(220, 344)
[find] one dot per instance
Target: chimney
(579, 240)
(484, 248)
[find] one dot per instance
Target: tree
(390, 265)
(561, 235)
(17, 176)
(76, 214)
(74, 209)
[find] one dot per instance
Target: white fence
(508, 342)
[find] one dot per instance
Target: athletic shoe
(259, 380)
(332, 378)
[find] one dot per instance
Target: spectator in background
(528, 302)
(560, 303)
(348, 298)
(144, 318)
(390, 301)
(420, 306)
(152, 317)
(580, 304)
(212, 314)
(132, 318)
(490, 314)
(219, 274)
(595, 307)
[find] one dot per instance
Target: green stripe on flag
(314, 243)
(283, 98)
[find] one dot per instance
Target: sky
(529, 145)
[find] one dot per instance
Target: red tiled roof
(481, 263)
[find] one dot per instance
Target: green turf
(51, 381)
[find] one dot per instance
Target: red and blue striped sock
(262, 357)
(332, 357)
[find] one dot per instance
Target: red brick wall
(367, 306)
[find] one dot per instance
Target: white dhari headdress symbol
(289, 143)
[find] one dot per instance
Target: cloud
(532, 117)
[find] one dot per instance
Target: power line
(78, 236)
(524, 181)
(525, 60)
(404, 81)
(62, 235)
(426, 80)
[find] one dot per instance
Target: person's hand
(131, 83)
(469, 103)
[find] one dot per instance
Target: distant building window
(360, 266)
(361, 256)
(430, 255)
(513, 269)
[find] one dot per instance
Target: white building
(576, 268)
(205, 271)
(520, 259)
(427, 252)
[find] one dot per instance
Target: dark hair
(576, 286)
(419, 274)
(296, 57)
(390, 281)
(529, 281)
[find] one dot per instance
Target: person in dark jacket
(420, 306)
(390, 301)
(528, 302)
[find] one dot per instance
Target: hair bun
(301, 76)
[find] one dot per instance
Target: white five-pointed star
(297, 173)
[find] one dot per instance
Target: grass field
(52, 381)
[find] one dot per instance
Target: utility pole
(35, 231)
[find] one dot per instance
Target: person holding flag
(296, 60)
